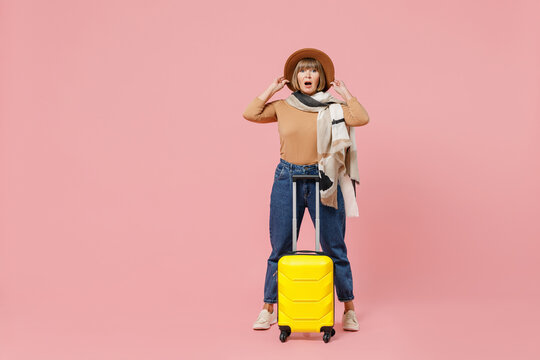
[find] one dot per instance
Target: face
(308, 79)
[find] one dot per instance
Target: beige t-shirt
(298, 129)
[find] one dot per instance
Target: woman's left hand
(341, 89)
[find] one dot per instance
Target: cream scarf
(336, 148)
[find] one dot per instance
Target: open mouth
(307, 83)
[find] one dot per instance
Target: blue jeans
(332, 227)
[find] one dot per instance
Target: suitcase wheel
(283, 336)
(326, 337)
(328, 334)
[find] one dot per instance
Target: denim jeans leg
(332, 236)
(280, 225)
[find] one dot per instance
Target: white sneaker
(265, 320)
(349, 321)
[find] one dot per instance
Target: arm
(257, 111)
(354, 113)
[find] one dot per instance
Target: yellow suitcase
(306, 284)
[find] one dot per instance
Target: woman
(303, 120)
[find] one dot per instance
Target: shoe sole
(265, 328)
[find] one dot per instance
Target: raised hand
(278, 84)
(273, 88)
(341, 89)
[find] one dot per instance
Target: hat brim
(298, 55)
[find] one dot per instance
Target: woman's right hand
(277, 84)
(273, 88)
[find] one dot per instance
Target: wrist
(347, 95)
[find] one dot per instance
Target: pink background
(134, 197)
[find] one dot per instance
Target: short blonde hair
(309, 63)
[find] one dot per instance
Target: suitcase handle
(315, 178)
(308, 177)
(305, 252)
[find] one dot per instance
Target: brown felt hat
(298, 55)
